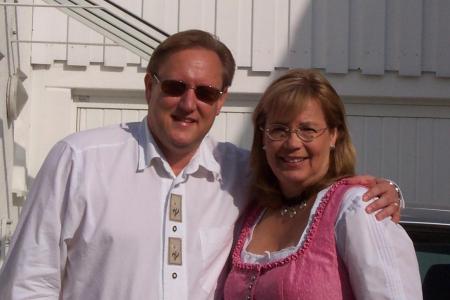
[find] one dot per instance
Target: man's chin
(185, 143)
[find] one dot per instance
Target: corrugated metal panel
(407, 36)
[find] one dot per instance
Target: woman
(308, 236)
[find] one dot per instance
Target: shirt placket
(174, 275)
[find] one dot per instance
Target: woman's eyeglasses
(279, 132)
(176, 88)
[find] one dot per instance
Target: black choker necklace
(292, 205)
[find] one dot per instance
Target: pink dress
(315, 271)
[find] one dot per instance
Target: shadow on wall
(4, 182)
(13, 178)
(20, 180)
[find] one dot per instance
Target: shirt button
(249, 297)
(253, 278)
(174, 228)
(174, 275)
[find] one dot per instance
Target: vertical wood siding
(49, 25)
(263, 35)
(370, 53)
(443, 39)
(300, 40)
(374, 36)
(410, 38)
(337, 28)
(231, 125)
(413, 151)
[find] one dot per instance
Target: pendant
(291, 211)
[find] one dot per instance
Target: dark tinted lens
(173, 87)
(207, 94)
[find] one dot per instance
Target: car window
(432, 245)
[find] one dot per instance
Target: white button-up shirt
(97, 223)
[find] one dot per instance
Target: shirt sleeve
(379, 255)
(36, 257)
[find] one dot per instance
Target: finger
(381, 189)
(377, 204)
(396, 216)
(389, 211)
(372, 192)
(366, 180)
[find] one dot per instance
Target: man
(142, 210)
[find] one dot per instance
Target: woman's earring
(332, 147)
(264, 147)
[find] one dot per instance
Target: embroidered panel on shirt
(175, 208)
(175, 257)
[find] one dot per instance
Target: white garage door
(407, 141)
(232, 125)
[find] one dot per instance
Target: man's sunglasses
(176, 88)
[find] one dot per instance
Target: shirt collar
(203, 159)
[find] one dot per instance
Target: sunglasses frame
(197, 89)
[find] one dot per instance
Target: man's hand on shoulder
(386, 193)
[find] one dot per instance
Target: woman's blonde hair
(287, 96)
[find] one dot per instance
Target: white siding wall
(374, 36)
(5, 140)
(232, 125)
(392, 56)
(9, 209)
(407, 140)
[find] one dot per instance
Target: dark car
(430, 231)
